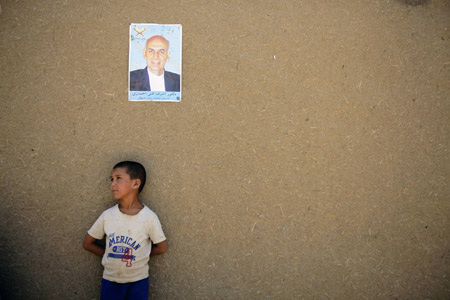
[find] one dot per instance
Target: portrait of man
(154, 77)
(155, 62)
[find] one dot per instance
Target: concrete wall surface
(309, 157)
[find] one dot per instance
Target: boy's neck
(130, 206)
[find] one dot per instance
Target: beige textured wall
(309, 158)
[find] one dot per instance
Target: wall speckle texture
(309, 158)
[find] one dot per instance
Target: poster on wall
(155, 62)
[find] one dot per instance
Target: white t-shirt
(128, 242)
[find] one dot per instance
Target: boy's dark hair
(135, 170)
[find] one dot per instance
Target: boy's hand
(89, 245)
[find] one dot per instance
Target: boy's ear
(137, 183)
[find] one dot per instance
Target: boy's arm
(89, 245)
(159, 248)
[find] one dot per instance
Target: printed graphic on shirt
(122, 252)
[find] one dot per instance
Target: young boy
(133, 233)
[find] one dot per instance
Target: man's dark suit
(139, 81)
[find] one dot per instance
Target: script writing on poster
(156, 96)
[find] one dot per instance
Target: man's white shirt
(156, 82)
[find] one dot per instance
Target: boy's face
(122, 186)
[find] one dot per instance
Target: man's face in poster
(157, 54)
